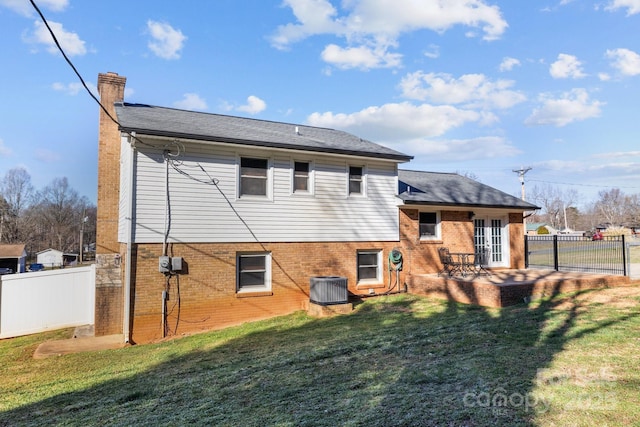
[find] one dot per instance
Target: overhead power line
(585, 185)
(66, 58)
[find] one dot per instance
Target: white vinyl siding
(200, 213)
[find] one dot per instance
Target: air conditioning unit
(328, 290)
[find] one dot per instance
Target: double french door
(490, 237)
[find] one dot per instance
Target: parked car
(597, 236)
(5, 270)
(36, 267)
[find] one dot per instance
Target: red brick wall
(422, 255)
(207, 288)
(109, 296)
(111, 88)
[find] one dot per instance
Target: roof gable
(207, 127)
(12, 251)
(435, 188)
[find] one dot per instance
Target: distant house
(14, 257)
(536, 228)
(50, 258)
(54, 258)
(206, 220)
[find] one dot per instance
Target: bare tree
(557, 205)
(611, 206)
(60, 211)
(17, 192)
(632, 210)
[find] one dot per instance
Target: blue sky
(469, 86)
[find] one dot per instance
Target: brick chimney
(109, 291)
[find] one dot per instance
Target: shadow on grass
(396, 361)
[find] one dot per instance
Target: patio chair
(480, 260)
(449, 265)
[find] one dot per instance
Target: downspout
(128, 257)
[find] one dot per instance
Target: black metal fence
(577, 253)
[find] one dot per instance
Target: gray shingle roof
(169, 122)
(435, 188)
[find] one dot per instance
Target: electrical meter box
(164, 264)
(176, 263)
(168, 264)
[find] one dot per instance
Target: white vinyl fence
(46, 300)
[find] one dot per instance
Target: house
(13, 257)
(206, 220)
(536, 228)
(50, 258)
(460, 213)
(54, 258)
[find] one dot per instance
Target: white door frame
(491, 232)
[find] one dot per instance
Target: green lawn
(395, 361)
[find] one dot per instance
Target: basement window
(369, 266)
(254, 272)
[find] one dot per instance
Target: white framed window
(357, 175)
(369, 266)
(254, 177)
(302, 177)
(253, 272)
(429, 225)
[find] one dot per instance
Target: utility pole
(521, 172)
(84, 220)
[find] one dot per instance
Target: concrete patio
(508, 287)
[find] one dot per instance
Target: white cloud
(507, 64)
(74, 88)
(398, 122)
(617, 154)
(24, 7)
(455, 150)
(4, 150)
(254, 105)
(570, 107)
(471, 90)
(567, 66)
(377, 24)
(433, 52)
(166, 42)
(360, 57)
(632, 6)
(191, 101)
(314, 17)
(70, 42)
(626, 61)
